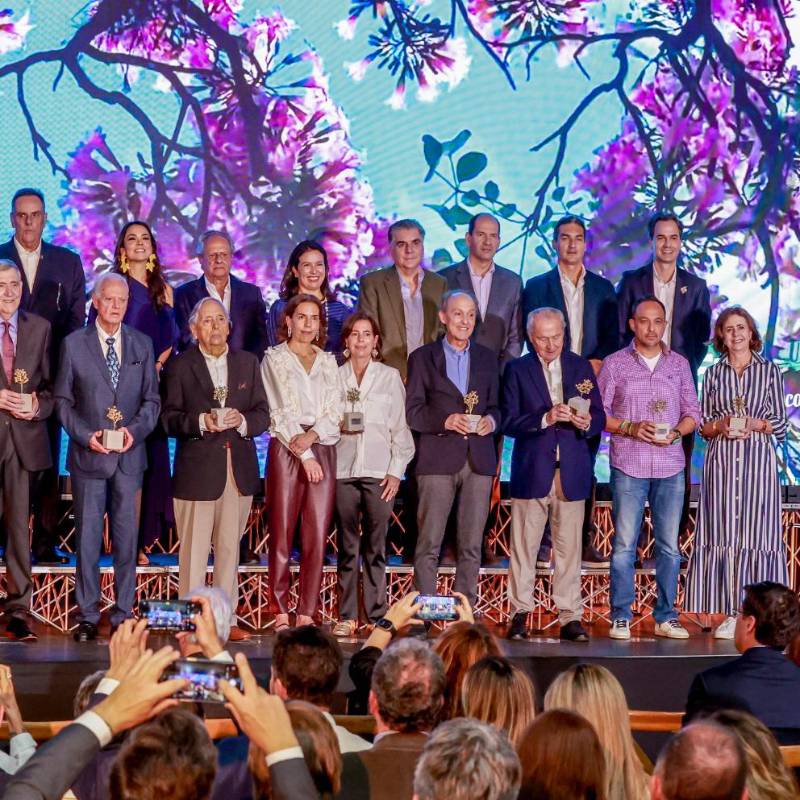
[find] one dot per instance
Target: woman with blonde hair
(593, 692)
(497, 692)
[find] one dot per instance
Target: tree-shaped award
(470, 401)
(113, 439)
(353, 420)
(26, 400)
(220, 395)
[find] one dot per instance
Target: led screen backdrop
(329, 118)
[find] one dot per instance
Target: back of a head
(171, 757)
(561, 759)
(497, 692)
(220, 603)
(465, 759)
(704, 761)
(776, 610)
(307, 661)
(459, 647)
(408, 683)
(87, 688)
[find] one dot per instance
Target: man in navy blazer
(552, 408)
(456, 455)
(762, 681)
(106, 366)
(243, 301)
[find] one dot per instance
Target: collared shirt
(226, 293)
(630, 391)
(573, 301)
(348, 742)
(218, 370)
(457, 365)
(555, 386)
(665, 292)
(20, 748)
(482, 287)
(29, 260)
(13, 326)
(116, 336)
(413, 311)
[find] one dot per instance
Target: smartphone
(434, 607)
(169, 615)
(204, 676)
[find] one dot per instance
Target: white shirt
(117, 337)
(29, 260)
(573, 301)
(413, 311)
(226, 293)
(665, 292)
(482, 287)
(651, 362)
(552, 375)
(218, 370)
(386, 445)
(348, 742)
(20, 748)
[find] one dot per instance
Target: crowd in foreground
(454, 719)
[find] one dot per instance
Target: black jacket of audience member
(362, 665)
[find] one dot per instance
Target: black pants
(45, 491)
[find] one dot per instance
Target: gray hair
(464, 759)
(404, 225)
(104, 279)
(545, 311)
(451, 293)
(210, 234)
(6, 264)
(221, 609)
(195, 312)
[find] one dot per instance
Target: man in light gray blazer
(106, 366)
(497, 290)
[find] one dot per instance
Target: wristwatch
(386, 625)
(677, 436)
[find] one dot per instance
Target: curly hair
(776, 610)
(288, 313)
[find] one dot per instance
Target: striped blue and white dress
(738, 537)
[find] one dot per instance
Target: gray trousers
(528, 518)
(15, 482)
(437, 493)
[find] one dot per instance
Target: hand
(300, 442)
(644, 431)
(9, 401)
(28, 415)
(210, 420)
(313, 470)
(560, 412)
(127, 442)
(733, 433)
(402, 612)
(8, 701)
(756, 425)
(205, 629)
(463, 609)
(391, 487)
(95, 443)
(233, 419)
(262, 716)
(582, 421)
(597, 365)
(141, 695)
(485, 426)
(126, 647)
(458, 423)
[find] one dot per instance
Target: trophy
(662, 428)
(26, 400)
(353, 420)
(470, 401)
(581, 404)
(113, 439)
(738, 422)
(220, 395)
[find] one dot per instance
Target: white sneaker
(672, 629)
(620, 629)
(726, 629)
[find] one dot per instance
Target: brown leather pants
(290, 497)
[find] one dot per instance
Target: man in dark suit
(53, 287)
(497, 290)
(216, 466)
(242, 300)
(107, 375)
(762, 681)
(24, 445)
(456, 455)
(552, 407)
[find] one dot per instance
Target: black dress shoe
(87, 631)
(518, 629)
(591, 558)
(48, 555)
(250, 558)
(18, 629)
(573, 632)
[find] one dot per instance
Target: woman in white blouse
(369, 466)
(305, 403)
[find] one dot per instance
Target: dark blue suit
(83, 394)
(248, 314)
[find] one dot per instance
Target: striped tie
(112, 362)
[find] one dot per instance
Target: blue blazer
(83, 394)
(526, 400)
(248, 315)
(600, 337)
(691, 314)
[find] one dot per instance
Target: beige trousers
(528, 518)
(201, 523)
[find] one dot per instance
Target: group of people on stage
(423, 379)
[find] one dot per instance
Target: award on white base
(470, 401)
(113, 439)
(220, 395)
(353, 420)
(26, 400)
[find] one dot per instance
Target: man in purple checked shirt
(650, 402)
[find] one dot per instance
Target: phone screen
(204, 676)
(169, 615)
(436, 607)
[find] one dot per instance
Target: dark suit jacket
(58, 293)
(380, 296)
(762, 681)
(83, 394)
(33, 355)
(691, 313)
(501, 330)
(525, 401)
(200, 459)
(430, 399)
(600, 317)
(248, 314)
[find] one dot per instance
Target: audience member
(21, 745)
(498, 692)
(86, 688)
(702, 762)
(212, 625)
(762, 680)
(467, 760)
(561, 758)
(593, 692)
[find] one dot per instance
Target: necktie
(112, 362)
(8, 350)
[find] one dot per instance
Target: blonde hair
(497, 692)
(596, 694)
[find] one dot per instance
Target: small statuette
(739, 421)
(113, 439)
(353, 420)
(663, 429)
(581, 405)
(26, 400)
(220, 395)
(470, 401)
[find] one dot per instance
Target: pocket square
(137, 363)
(242, 386)
(684, 289)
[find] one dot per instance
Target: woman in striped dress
(738, 537)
